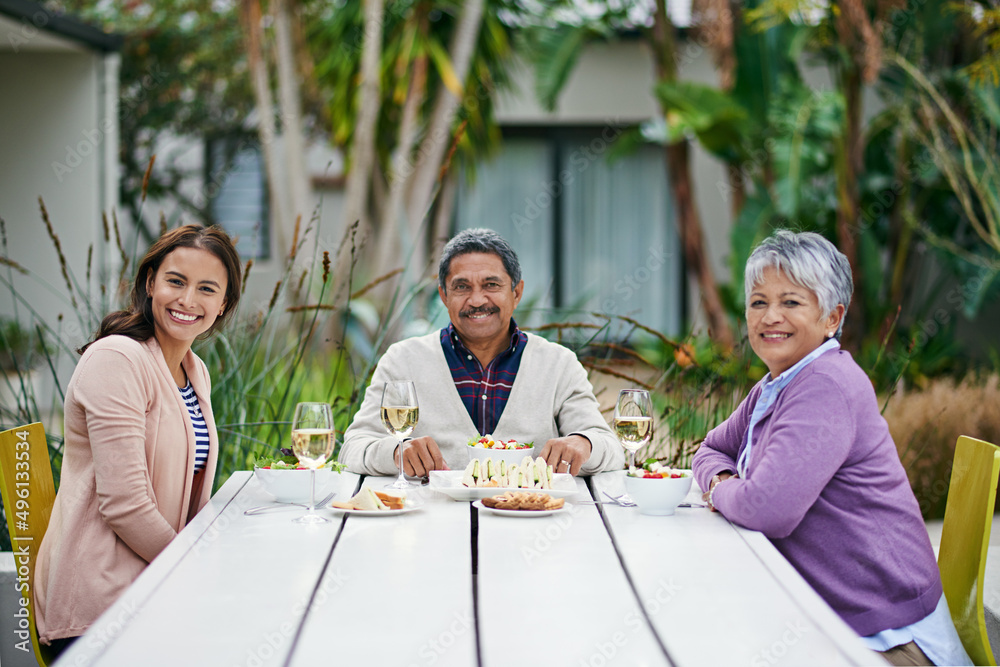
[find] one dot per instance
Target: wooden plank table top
(451, 584)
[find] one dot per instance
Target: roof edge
(63, 24)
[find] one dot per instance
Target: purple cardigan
(825, 485)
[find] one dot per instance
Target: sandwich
(530, 474)
(369, 500)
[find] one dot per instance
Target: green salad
(289, 462)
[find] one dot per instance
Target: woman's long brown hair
(136, 320)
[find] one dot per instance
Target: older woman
(808, 460)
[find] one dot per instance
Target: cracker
(524, 501)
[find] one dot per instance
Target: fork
(253, 511)
(622, 500)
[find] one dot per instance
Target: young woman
(140, 444)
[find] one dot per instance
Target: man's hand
(420, 456)
(567, 454)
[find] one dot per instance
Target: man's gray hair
(809, 261)
(479, 239)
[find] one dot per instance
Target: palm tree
(405, 86)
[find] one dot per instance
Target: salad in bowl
(489, 442)
(657, 489)
(488, 447)
(653, 469)
(282, 477)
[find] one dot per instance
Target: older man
(480, 375)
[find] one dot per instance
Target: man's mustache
(481, 310)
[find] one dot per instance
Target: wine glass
(312, 444)
(633, 421)
(399, 415)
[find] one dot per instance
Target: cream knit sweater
(551, 398)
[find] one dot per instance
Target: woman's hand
(718, 479)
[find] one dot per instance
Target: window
(237, 190)
(592, 235)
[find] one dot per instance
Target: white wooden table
(449, 585)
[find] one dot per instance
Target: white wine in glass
(633, 422)
(400, 413)
(400, 420)
(312, 444)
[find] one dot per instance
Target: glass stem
(312, 489)
(401, 478)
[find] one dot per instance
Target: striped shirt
(484, 391)
(200, 427)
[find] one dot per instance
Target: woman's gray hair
(809, 261)
(479, 239)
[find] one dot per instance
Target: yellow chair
(28, 496)
(965, 537)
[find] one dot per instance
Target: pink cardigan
(127, 480)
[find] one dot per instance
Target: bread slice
(390, 501)
(467, 478)
(367, 500)
(544, 474)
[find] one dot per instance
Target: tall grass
(926, 423)
(693, 384)
(298, 345)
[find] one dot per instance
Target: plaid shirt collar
(450, 334)
(484, 390)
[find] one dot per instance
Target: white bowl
(508, 455)
(292, 485)
(659, 497)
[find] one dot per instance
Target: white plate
(523, 513)
(375, 512)
(449, 482)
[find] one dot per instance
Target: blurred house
(58, 142)
(593, 234)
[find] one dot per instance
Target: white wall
(611, 83)
(58, 141)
